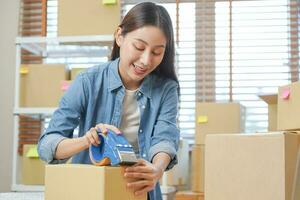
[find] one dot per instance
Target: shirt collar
(114, 78)
(115, 81)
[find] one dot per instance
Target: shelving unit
(58, 48)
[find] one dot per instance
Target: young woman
(135, 93)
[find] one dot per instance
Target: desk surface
(22, 196)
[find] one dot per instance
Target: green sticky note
(32, 152)
(109, 2)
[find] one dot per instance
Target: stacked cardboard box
(289, 107)
(256, 166)
(95, 18)
(251, 166)
(33, 169)
(198, 168)
(75, 72)
(41, 85)
(271, 100)
(283, 108)
(77, 182)
(213, 118)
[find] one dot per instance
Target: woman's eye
(138, 48)
(156, 53)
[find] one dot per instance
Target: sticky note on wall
(202, 119)
(32, 152)
(285, 94)
(109, 2)
(65, 85)
(24, 70)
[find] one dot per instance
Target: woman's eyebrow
(143, 41)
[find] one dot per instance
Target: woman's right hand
(92, 136)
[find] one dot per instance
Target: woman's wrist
(85, 142)
(161, 160)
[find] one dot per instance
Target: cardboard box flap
(269, 98)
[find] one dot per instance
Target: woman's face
(141, 51)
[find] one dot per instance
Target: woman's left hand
(144, 176)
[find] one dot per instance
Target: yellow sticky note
(32, 152)
(202, 119)
(24, 70)
(109, 2)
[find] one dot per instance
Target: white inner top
(130, 121)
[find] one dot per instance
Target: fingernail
(125, 174)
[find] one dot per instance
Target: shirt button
(144, 155)
(141, 130)
(139, 94)
(143, 106)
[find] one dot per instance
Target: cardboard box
(189, 195)
(91, 17)
(289, 107)
(251, 166)
(198, 159)
(218, 118)
(33, 169)
(178, 175)
(78, 181)
(75, 72)
(41, 85)
(271, 100)
(296, 191)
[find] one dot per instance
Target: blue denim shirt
(96, 96)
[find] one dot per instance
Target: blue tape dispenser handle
(113, 150)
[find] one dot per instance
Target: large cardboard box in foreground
(41, 85)
(271, 100)
(88, 182)
(289, 107)
(91, 17)
(218, 118)
(251, 166)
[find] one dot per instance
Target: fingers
(142, 177)
(141, 187)
(138, 175)
(143, 191)
(103, 128)
(142, 166)
(92, 137)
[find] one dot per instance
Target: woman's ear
(119, 36)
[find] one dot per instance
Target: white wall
(8, 31)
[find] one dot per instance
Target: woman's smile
(139, 70)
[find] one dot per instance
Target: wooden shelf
(33, 111)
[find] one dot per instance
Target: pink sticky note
(286, 94)
(65, 85)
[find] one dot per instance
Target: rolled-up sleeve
(166, 133)
(64, 120)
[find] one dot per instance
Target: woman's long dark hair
(150, 14)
